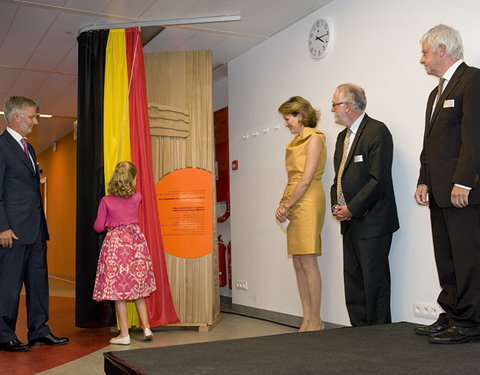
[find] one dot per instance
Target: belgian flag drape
(113, 126)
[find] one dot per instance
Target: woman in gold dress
(303, 204)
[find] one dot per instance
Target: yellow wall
(60, 170)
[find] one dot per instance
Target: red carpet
(62, 323)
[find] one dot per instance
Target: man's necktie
(346, 143)
(25, 148)
(439, 91)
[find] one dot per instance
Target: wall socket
(241, 284)
(426, 310)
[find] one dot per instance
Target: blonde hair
(297, 105)
(121, 183)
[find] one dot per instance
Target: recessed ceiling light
(39, 115)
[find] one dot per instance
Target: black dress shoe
(49, 339)
(456, 335)
(440, 325)
(14, 346)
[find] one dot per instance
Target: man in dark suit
(449, 184)
(363, 201)
(23, 232)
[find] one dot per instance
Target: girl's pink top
(115, 211)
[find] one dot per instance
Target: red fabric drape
(160, 303)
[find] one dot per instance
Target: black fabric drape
(90, 178)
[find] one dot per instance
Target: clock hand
(320, 37)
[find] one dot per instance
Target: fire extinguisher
(229, 263)
(222, 266)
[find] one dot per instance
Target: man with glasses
(363, 202)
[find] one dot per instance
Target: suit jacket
(367, 180)
(451, 144)
(20, 201)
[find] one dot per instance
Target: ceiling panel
(207, 8)
(173, 9)
(7, 16)
(7, 79)
(201, 41)
(70, 61)
(58, 42)
(63, 104)
(265, 18)
(128, 8)
(27, 83)
(231, 48)
(38, 47)
(51, 90)
(170, 41)
(28, 28)
(90, 5)
(58, 3)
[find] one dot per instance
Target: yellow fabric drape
(116, 126)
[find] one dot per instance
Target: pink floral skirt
(124, 270)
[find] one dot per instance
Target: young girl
(124, 270)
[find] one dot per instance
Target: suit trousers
(24, 264)
(456, 242)
(367, 278)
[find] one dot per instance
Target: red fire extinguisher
(229, 263)
(222, 264)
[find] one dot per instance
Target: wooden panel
(182, 82)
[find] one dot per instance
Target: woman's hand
(282, 213)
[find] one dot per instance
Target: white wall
(376, 45)
(220, 93)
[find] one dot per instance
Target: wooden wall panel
(181, 82)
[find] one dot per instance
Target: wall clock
(319, 38)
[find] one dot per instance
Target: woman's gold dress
(308, 213)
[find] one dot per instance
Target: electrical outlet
(241, 284)
(426, 310)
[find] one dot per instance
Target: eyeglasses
(339, 103)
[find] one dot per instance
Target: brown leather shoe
(456, 335)
(14, 346)
(440, 325)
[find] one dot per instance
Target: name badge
(449, 103)
(358, 158)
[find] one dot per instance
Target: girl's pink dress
(124, 270)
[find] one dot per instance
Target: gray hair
(446, 35)
(16, 104)
(353, 94)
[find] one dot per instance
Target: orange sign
(184, 199)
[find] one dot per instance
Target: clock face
(318, 39)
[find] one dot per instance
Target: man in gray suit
(449, 184)
(23, 232)
(364, 202)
